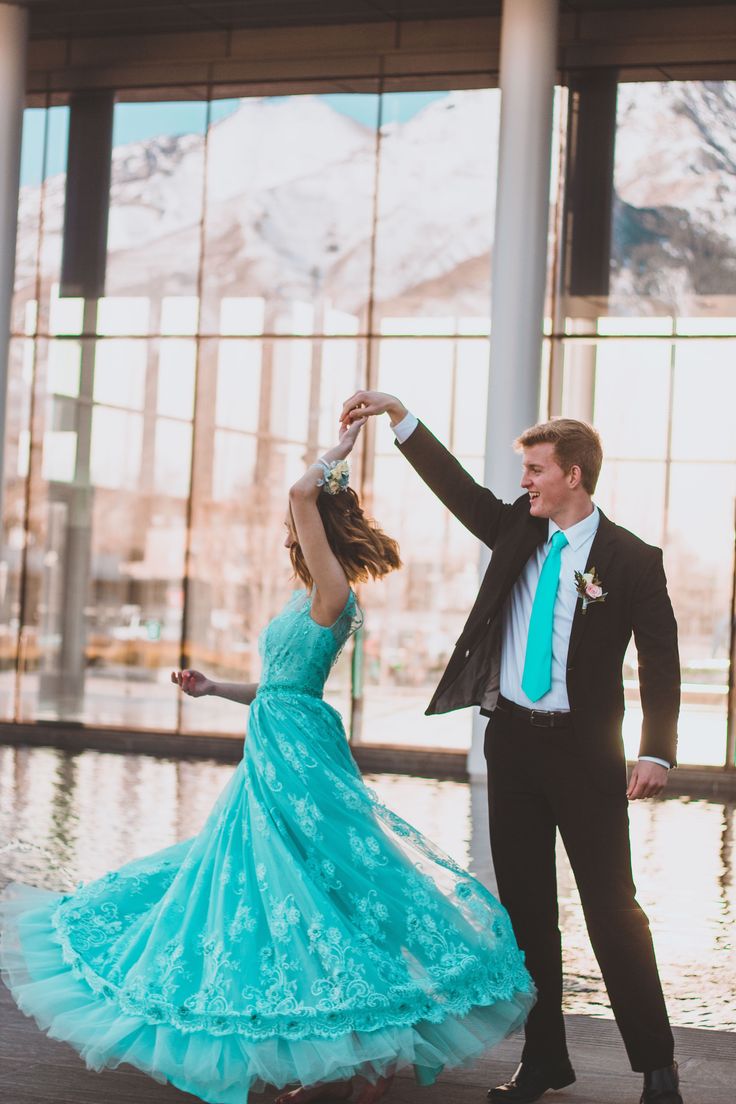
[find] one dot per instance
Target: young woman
(307, 935)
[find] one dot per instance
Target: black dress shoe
(530, 1082)
(662, 1086)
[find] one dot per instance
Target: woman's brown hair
(364, 550)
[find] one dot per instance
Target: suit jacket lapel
(600, 556)
(533, 532)
(506, 565)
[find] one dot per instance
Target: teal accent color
(306, 933)
(537, 677)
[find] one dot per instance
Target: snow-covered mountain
(675, 213)
(290, 204)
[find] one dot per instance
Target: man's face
(548, 487)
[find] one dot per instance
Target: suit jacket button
(467, 652)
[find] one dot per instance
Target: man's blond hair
(574, 443)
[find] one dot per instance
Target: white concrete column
(519, 264)
(13, 45)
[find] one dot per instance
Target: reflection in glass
(292, 366)
(179, 314)
(173, 457)
(64, 366)
(233, 465)
(65, 316)
(120, 373)
(59, 455)
(123, 315)
(242, 314)
(635, 375)
(632, 493)
(338, 367)
(705, 372)
(238, 380)
(116, 448)
(176, 367)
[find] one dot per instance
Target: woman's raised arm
(330, 582)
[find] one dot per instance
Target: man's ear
(575, 476)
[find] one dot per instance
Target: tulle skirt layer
(220, 1069)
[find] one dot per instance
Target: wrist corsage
(589, 587)
(336, 476)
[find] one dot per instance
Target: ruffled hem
(220, 1069)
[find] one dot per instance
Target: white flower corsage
(589, 587)
(336, 476)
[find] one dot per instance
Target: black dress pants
(538, 783)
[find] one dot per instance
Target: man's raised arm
(475, 506)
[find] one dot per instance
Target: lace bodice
(296, 652)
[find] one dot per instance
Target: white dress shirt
(518, 607)
(517, 612)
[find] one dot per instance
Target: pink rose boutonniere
(589, 587)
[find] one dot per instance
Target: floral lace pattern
(304, 908)
(298, 654)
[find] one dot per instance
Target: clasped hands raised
(366, 404)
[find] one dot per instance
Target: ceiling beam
(426, 53)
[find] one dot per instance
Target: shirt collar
(579, 533)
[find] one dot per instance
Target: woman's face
(290, 536)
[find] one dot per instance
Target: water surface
(66, 817)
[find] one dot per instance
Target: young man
(542, 654)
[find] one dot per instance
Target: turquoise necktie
(537, 677)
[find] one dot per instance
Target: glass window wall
(265, 257)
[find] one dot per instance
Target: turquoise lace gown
(307, 933)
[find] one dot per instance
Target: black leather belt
(542, 718)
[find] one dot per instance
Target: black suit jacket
(637, 601)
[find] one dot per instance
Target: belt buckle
(548, 722)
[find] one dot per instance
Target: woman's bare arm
(331, 584)
(197, 685)
(241, 692)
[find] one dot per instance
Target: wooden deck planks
(37, 1070)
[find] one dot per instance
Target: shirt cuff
(654, 759)
(405, 427)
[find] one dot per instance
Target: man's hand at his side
(364, 404)
(647, 780)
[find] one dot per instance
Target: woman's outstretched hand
(348, 437)
(193, 683)
(349, 433)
